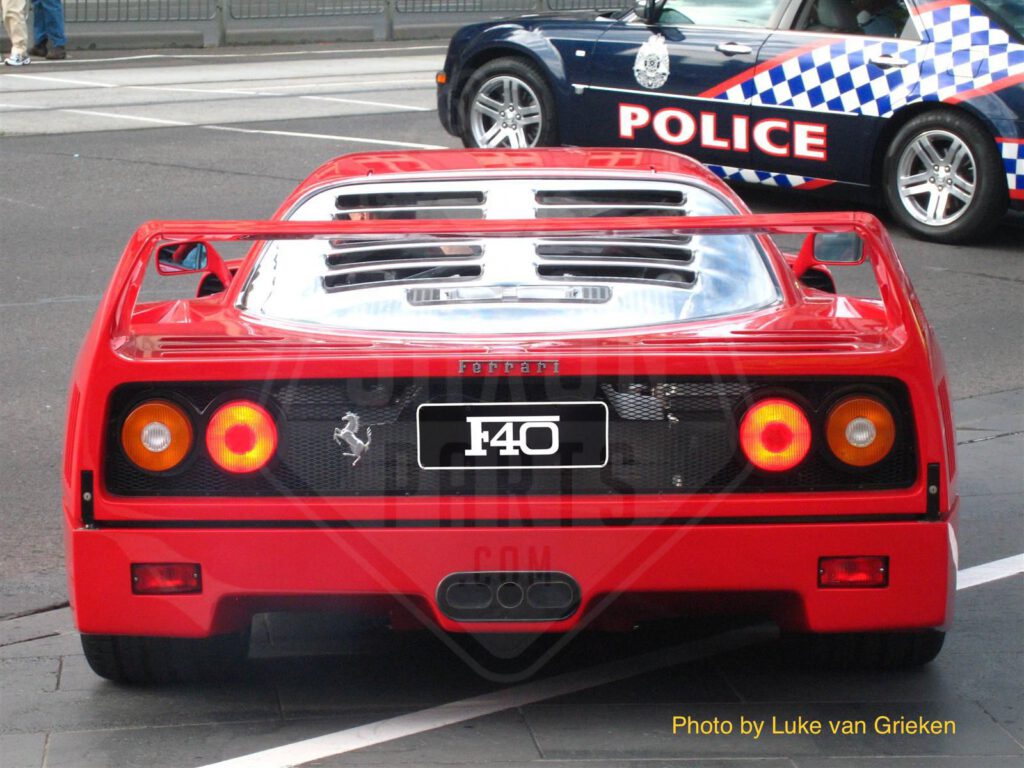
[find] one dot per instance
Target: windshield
(1009, 13)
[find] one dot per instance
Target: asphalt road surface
(96, 145)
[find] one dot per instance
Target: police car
(920, 99)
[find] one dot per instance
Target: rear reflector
(865, 571)
(166, 578)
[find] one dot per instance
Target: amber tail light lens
(241, 436)
(775, 434)
(860, 431)
(156, 435)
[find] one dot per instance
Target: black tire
(865, 650)
(163, 660)
(954, 219)
(530, 90)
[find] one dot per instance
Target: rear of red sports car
(619, 404)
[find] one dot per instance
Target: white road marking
(265, 132)
(367, 103)
(126, 117)
(983, 574)
(87, 83)
(508, 698)
(264, 54)
(326, 136)
(382, 731)
(178, 89)
(363, 84)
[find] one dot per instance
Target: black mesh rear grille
(666, 436)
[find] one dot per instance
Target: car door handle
(732, 49)
(888, 62)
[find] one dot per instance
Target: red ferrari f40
(509, 391)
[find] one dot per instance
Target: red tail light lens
(166, 578)
(156, 435)
(860, 431)
(867, 571)
(775, 434)
(241, 436)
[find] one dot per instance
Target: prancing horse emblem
(348, 436)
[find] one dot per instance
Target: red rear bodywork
(627, 554)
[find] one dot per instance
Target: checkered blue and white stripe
(783, 180)
(1013, 162)
(962, 51)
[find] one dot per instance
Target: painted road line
(179, 89)
(362, 84)
(983, 574)
(231, 129)
(324, 136)
(69, 81)
(489, 703)
(116, 116)
(255, 55)
(367, 103)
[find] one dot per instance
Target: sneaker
(57, 52)
(17, 60)
(39, 49)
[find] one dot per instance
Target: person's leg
(38, 30)
(14, 22)
(55, 24)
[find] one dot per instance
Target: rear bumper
(771, 569)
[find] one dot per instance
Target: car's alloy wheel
(937, 177)
(943, 178)
(506, 104)
(506, 112)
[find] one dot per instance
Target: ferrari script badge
(348, 435)
(651, 66)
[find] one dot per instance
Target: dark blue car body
(785, 100)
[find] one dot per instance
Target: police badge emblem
(651, 66)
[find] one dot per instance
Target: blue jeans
(48, 23)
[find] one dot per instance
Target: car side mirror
(192, 257)
(838, 248)
(183, 258)
(649, 11)
(829, 248)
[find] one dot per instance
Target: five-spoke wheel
(507, 104)
(942, 177)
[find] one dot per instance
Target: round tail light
(241, 436)
(775, 434)
(860, 431)
(156, 435)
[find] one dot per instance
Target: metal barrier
(464, 6)
(587, 5)
(293, 9)
(79, 11)
(256, 15)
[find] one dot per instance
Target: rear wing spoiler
(901, 306)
